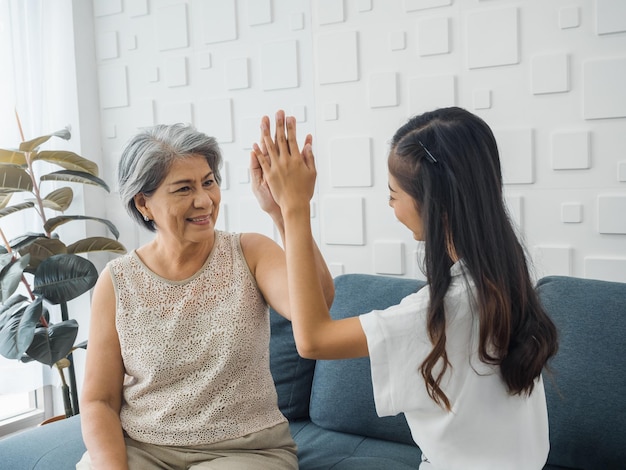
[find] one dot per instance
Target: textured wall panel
(259, 12)
(175, 71)
(113, 86)
(571, 213)
(433, 36)
(610, 16)
(569, 17)
(204, 60)
(279, 65)
(555, 260)
(331, 112)
(607, 269)
(329, 11)
(397, 40)
(350, 160)
(612, 214)
(603, 92)
(136, 7)
(106, 7)
(173, 113)
(482, 99)
(236, 74)
(364, 5)
(428, 93)
(253, 219)
(383, 89)
(570, 150)
(249, 131)
(219, 20)
(342, 220)
(492, 38)
(412, 5)
(337, 57)
(389, 257)
(515, 207)
(222, 218)
(215, 118)
(516, 155)
(106, 45)
(171, 29)
(225, 174)
(621, 171)
(550, 73)
(144, 113)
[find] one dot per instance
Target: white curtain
(24, 26)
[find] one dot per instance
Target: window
(22, 410)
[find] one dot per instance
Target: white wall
(547, 76)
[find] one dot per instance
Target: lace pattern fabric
(196, 352)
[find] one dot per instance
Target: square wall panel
(606, 269)
(343, 220)
(553, 260)
(612, 214)
(172, 30)
(215, 118)
(428, 93)
(433, 36)
(383, 89)
(337, 57)
(569, 17)
(259, 12)
(413, 5)
(492, 38)
(136, 8)
(570, 150)
(218, 20)
(222, 218)
(610, 16)
(389, 258)
(173, 113)
(482, 99)
(113, 86)
(603, 88)
(516, 155)
(621, 171)
(550, 73)
(329, 11)
(350, 162)
(106, 7)
(143, 113)
(106, 45)
(279, 65)
(571, 212)
(397, 40)
(515, 208)
(176, 71)
(253, 219)
(236, 74)
(249, 131)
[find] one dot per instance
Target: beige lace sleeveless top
(196, 352)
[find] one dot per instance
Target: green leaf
(52, 344)
(8, 334)
(75, 177)
(53, 223)
(59, 199)
(11, 275)
(43, 248)
(33, 144)
(5, 259)
(64, 277)
(16, 208)
(12, 157)
(68, 160)
(13, 179)
(10, 307)
(21, 242)
(91, 244)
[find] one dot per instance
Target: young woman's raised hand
(288, 171)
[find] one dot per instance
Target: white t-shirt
(487, 428)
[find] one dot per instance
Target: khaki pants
(269, 449)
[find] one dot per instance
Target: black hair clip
(430, 155)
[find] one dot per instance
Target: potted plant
(49, 271)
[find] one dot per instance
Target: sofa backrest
(586, 393)
(341, 396)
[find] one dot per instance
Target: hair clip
(430, 155)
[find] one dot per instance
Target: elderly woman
(177, 372)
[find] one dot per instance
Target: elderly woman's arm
(102, 389)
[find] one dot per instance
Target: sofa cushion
(585, 394)
(342, 397)
(292, 374)
(321, 449)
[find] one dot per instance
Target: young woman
(461, 358)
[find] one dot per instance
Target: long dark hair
(447, 161)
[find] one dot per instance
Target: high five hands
(282, 173)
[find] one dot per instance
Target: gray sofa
(331, 409)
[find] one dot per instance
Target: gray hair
(148, 156)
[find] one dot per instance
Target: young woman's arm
(102, 388)
(291, 175)
(269, 261)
